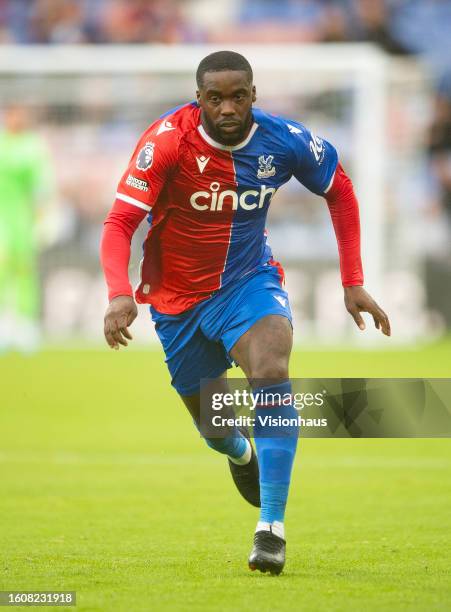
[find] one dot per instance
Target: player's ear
(198, 95)
(254, 94)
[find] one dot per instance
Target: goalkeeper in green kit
(26, 184)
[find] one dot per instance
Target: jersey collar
(223, 147)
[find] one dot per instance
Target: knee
(270, 369)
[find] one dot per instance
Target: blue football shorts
(197, 342)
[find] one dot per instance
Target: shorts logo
(145, 156)
(281, 300)
(266, 169)
(137, 183)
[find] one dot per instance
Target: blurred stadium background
(374, 77)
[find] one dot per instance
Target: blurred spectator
(58, 21)
(269, 21)
(14, 18)
(423, 26)
(334, 24)
(361, 21)
(304, 14)
(141, 21)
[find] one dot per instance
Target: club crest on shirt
(145, 156)
(265, 169)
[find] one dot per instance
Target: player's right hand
(119, 315)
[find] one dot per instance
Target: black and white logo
(145, 156)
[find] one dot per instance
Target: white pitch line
(355, 462)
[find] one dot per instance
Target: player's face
(226, 99)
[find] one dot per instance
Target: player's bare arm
(119, 315)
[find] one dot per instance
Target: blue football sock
(234, 445)
(276, 447)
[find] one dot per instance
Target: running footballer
(204, 175)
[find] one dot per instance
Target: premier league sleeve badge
(145, 156)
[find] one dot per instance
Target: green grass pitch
(107, 489)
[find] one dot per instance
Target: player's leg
(27, 300)
(24, 286)
(263, 354)
(254, 324)
(224, 439)
(6, 285)
(19, 288)
(228, 440)
(191, 357)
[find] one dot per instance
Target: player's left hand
(357, 300)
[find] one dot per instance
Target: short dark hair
(223, 60)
